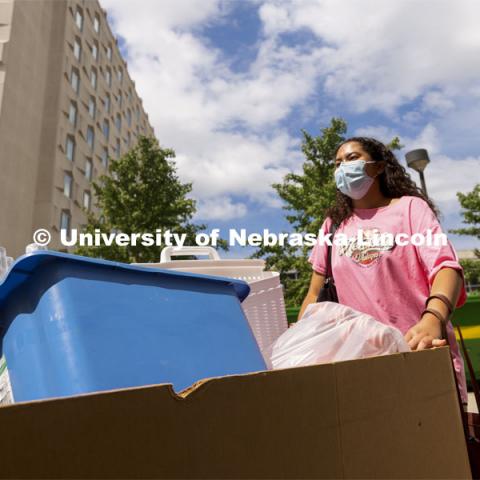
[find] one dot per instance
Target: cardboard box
(387, 417)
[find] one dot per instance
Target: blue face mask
(352, 180)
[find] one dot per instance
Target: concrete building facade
(67, 107)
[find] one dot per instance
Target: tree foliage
(470, 202)
(471, 270)
(307, 195)
(141, 194)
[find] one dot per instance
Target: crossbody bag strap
(466, 355)
(457, 388)
(445, 337)
(333, 229)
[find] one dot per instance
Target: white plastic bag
(330, 332)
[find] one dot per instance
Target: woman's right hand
(427, 333)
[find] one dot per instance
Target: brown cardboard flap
(399, 417)
(385, 417)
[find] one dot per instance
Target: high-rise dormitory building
(67, 105)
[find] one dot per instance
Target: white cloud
(220, 208)
(446, 176)
(428, 138)
(225, 125)
(380, 132)
(197, 103)
(235, 161)
(438, 102)
(382, 54)
(148, 17)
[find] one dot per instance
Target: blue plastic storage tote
(72, 325)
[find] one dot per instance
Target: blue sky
(229, 85)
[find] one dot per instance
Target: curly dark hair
(395, 182)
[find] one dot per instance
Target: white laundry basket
(264, 307)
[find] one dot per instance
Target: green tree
(470, 202)
(307, 197)
(142, 193)
(471, 270)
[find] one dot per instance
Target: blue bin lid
(26, 265)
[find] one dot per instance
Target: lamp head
(417, 159)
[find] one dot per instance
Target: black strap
(333, 229)
(459, 397)
(476, 389)
(466, 356)
(473, 380)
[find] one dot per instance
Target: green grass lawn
(469, 316)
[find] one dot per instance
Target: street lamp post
(418, 160)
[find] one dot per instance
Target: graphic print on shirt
(367, 247)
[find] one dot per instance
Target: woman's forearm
(316, 283)
(310, 298)
(427, 332)
(448, 282)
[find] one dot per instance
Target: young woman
(411, 287)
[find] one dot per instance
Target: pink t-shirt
(392, 282)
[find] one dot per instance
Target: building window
(119, 75)
(129, 117)
(120, 99)
(77, 49)
(129, 139)
(106, 129)
(96, 23)
(72, 114)
(75, 79)
(117, 148)
(109, 52)
(118, 121)
(67, 184)
(108, 76)
(79, 18)
(90, 137)
(92, 107)
(107, 102)
(70, 148)
(95, 50)
(105, 157)
(86, 200)
(93, 78)
(138, 113)
(65, 220)
(88, 169)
